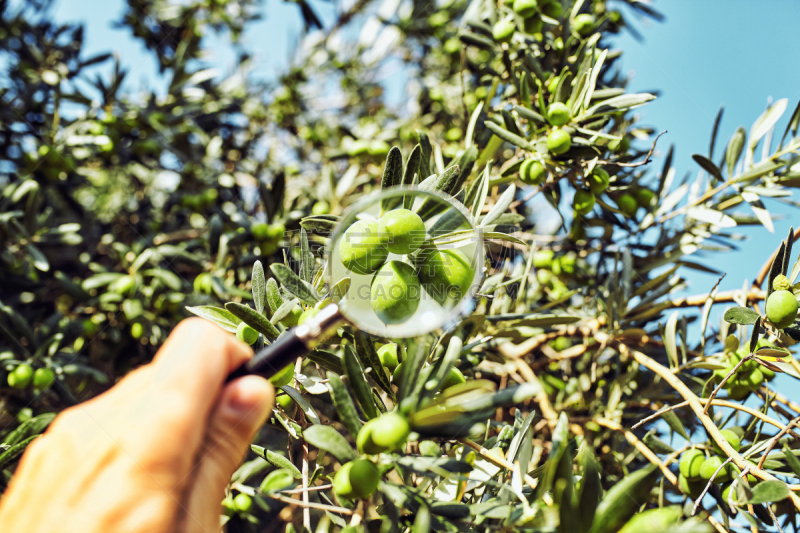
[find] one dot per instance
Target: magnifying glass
(401, 263)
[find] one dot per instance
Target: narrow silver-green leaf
(292, 283)
(259, 285)
(735, 147)
(277, 460)
(254, 319)
(369, 360)
(359, 383)
(328, 439)
(221, 317)
(302, 403)
(306, 258)
(343, 404)
(509, 137)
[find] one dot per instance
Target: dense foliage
(120, 211)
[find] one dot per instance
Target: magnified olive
(445, 274)
(395, 292)
(362, 248)
(403, 230)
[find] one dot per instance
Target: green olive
(584, 24)
(619, 146)
(753, 379)
(397, 375)
(552, 9)
(242, 503)
(390, 431)
(246, 334)
(286, 402)
(644, 197)
(388, 355)
(362, 248)
(283, 377)
(543, 258)
(533, 25)
(307, 314)
(320, 208)
(293, 318)
(782, 309)
(43, 378)
(552, 84)
(21, 376)
(276, 231)
(532, 172)
(558, 114)
(402, 230)
(738, 392)
(690, 464)
(357, 479)
(453, 378)
(445, 275)
(711, 465)
(503, 30)
(598, 180)
(583, 201)
(395, 292)
(137, 330)
(429, 448)
(525, 8)
(558, 142)
(202, 283)
(693, 489)
(732, 438)
(627, 204)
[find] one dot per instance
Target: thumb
(242, 409)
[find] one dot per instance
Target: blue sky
(703, 56)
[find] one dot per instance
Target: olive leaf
(776, 268)
(509, 137)
(274, 298)
(306, 258)
(302, 403)
(708, 166)
(369, 359)
(392, 177)
(254, 319)
(277, 460)
(295, 286)
(284, 310)
(500, 206)
(221, 317)
(319, 223)
(358, 381)
(623, 499)
(259, 287)
(769, 491)
(328, 439)
(735, 148)
(343, 403)
(326, 360)
(14, 451)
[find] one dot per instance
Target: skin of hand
(153, 453)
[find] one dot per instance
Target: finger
(243, 408)
(194, 362)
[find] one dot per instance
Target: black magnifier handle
(290, 345)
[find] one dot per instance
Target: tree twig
(640, 163)
(774, 441)
(708, 485)
(725, 380)
(311, 505)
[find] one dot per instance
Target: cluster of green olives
(781, 305)
(395, 290)
(23, 375)
(241, 503)
(550, 269)
(358, 479)
(749, 378)
(597, 182)
(530, 14)
(630, 202)
(696, 468)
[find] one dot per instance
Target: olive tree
(585, 392)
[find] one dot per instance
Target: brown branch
(774, 440)
(502, 463)
(641, 447)
(681, 388)
(722, 297)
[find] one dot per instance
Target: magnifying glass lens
(413, 258)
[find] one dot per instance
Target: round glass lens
(413, 259)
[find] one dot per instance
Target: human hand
(154, 453)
